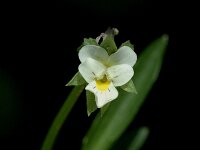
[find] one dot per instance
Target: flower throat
(103, 84)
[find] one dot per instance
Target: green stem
(60, 118)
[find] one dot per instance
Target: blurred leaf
(61, 117)
(139, 139)
(105, 108)
(10, 104)
(91, 104)
(128, 43)
(132, 139)
(76, 80)
(109, 44)
(107, 129)
(129, 87)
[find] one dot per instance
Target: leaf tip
(88, 113)
(135, 92)
(165, 37)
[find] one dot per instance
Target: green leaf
(132, 140)
(107, 129)
(128, 43)
(76, 80)
(61, 117)
(139, 139)
(129, 87)
(109, 44)
(105, 108)
(91, 104)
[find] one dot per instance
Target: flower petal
(91, 69)
(102, 97)
(120, 74)
(125, 55)
(93, 51)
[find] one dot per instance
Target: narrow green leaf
(107, 129)
(139, 139)
(109, 44)
(128, 43)
(76, 80)
(131, 140)
(129, 87)
(91, 104)
(105, 108)
(61, 117)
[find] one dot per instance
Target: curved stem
(60, 118)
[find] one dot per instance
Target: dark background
(38, 57)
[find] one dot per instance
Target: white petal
(91, 69)
(125, 55)
(92, 87)
(102, 97)
(92, 51)
(120, 74)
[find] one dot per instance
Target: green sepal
(87, 41)
(129, 87)
(109, 44)
(76, 80)
(128, 43)
(91, 104)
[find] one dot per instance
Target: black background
(38, 57)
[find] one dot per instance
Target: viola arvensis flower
(104, 73)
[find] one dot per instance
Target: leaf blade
(61, 117)
(139, 139)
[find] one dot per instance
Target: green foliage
(139, 139)
(105, 108)
(91, 104)
(109, 44)
(60, 117)
(76, 80)
(132, 140)
(110, 123)
(107, 129)
(129, 87)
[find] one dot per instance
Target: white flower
(104, 72)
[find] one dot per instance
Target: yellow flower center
(103, 84)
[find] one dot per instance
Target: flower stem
(60, 118)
